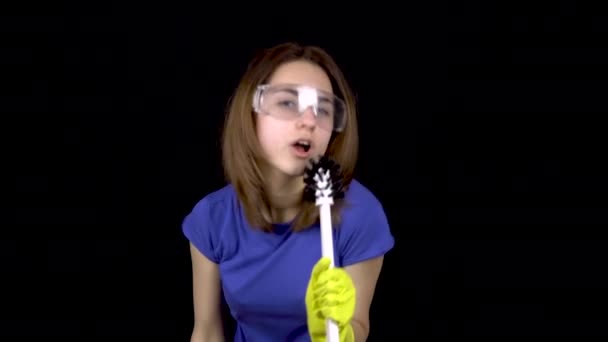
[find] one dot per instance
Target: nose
(308, 117)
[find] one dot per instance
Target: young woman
(256, 239)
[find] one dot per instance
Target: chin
(288, 167)
(293, 170)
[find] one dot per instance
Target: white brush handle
(327, 249)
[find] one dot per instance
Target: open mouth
(302, 146)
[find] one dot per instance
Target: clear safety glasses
(288, 102)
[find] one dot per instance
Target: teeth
(304, 142)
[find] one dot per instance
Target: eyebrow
(295, 93)
(325, 99)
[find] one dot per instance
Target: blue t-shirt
(265, 275)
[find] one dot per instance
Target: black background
(481, 132)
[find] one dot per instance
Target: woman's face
(284, 139)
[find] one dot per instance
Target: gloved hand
(330, 294)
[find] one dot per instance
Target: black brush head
(319, 166)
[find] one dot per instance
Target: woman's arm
(365, 276)
(207, 299)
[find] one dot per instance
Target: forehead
(304, 73)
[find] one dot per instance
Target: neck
(285, 196)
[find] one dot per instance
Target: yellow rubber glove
(330, 294)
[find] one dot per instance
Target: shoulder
(214, 203)
(203, 225)
(217, 197)
(358, 198)
(364, 230)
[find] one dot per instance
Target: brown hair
(241, 151)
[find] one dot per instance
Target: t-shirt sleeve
(198, 229)
(367, 235)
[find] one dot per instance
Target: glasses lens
(289, 102)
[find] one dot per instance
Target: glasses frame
(260, 89)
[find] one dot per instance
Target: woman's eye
(286, 103)
(324, 112)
